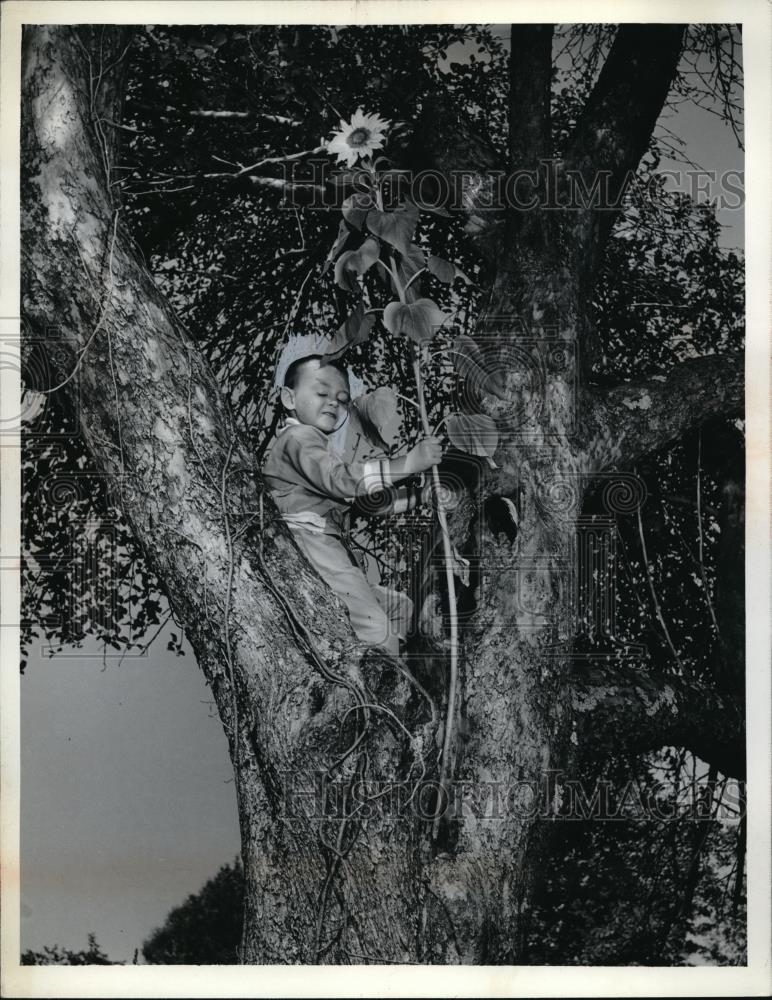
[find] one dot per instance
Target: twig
(654, 597)
(120, 125)
(188, 187)
(407, 399)
(146, 646)
(165, 109)
(121, 57)
(300, 230)
(268, 161)
(383, 565)
(700, 542)
(228, 163)
(298, 299)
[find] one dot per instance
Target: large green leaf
(474, 433)
(393, 179)
(408, 265)
(378, 415)
(351, 178)
(352, 263)
(344, 234)
(445, 270)
(356, 208)
(471, 365)
(395, 228)
(420, 321)
(355, 330)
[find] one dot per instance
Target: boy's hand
(427, 452)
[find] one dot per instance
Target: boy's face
(320, 396)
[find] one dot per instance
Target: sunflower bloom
(359, 137)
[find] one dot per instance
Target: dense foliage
(646, 873)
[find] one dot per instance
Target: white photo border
(347, 981)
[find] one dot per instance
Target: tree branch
(268, 161)
(614, 130)
(301, 193)
(170, 109)
(636, 418)
(624, 709)
(530, 80)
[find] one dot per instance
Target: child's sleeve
(329, 474)
(393, 500)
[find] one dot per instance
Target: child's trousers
(378, 616)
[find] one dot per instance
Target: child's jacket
(314, 489)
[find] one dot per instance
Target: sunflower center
(359, 137)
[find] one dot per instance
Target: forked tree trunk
(274, 644)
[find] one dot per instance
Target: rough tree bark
(274, 645)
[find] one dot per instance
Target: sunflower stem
(395, 278)
(451, 585)
(400, 289)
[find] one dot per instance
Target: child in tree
(314, 488)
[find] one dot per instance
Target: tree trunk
(317, 725)
(157, 426)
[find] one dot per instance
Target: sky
(127, 794)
